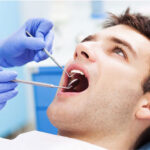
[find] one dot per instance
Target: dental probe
(52, 58)
(40, 84)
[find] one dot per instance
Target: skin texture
(114, 105)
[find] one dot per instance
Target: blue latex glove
(20, 49)
(7, 88)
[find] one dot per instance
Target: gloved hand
(7, 88)
(20, 49)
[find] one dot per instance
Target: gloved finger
(4, 87)
(43, 29)
(41, 55)
(33, 43)
(7, 95)
(6, 75)
(2, 105)
(49, 41)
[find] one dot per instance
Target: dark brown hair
(141, 24)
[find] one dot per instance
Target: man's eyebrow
(89, 38)
(124, 43)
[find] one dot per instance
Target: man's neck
(111, 142)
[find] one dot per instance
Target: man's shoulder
(56, 142)
(35, 140)
(36, 137)
(35, 134)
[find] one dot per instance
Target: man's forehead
(123, 32)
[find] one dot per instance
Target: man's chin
(58, 115)
(64, 116)
(57, 119)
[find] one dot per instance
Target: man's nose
(84, 52)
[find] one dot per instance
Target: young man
(108, 103)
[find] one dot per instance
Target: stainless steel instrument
(40, 84)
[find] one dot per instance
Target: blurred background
(73, 20)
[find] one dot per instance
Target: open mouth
(78, 82)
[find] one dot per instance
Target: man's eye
(119, 51)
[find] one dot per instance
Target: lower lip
(67, 94)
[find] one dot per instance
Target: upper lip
(75, 67)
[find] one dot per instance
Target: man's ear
(143, 110)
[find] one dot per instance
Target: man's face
(115, 62)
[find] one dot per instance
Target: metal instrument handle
(39, 84)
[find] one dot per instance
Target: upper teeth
(77, 71)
